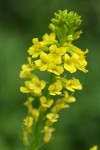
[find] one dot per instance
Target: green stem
(37, 132)
(39, 124)
(51, 78)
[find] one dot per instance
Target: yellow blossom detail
(26, 68)
(68, 64)
(26, 74)
(35, 49)
(46, 103)
(47, 133)
(28, 104)
(35, 86)
(24, 89)
(52, 117)
(56, 53)
(55, 88)
(28, 121)
(73, 84)
(79, 62)
(35, 114)
(42, 63)
(73, 49)
(76, 60)
(49, 39)
(29, 66)
(68, 98)
(55, 69)
(38, 85)
(59, 106)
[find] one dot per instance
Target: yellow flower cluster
(46, 55)
(47, 98)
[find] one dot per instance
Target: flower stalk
(55, 55)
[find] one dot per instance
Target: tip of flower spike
(65, 24)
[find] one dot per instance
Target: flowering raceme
(56, 55)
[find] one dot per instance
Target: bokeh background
(78, 128)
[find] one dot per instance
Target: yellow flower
(35, 49)
(60, 104)
(26, 68)
(68, 64)
(55, 56)
(28, 104)
(94, 147)
(56, 53)
(35, 41)
(77, 59)
(47, 133)
(73, 49)
(38, 85)
(35, 114)
(46, 103)
(28, 121)
(26, 74)
(29, 101)
(24, 89)
(35, 86)
(73, 84)
(29, 66)
(55, 88)
(79, 62)
(77, 50)
(42, 63)
(67, 98)
(55, 69)
(49, 39)
(52, 117)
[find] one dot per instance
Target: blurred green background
(78, 128)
